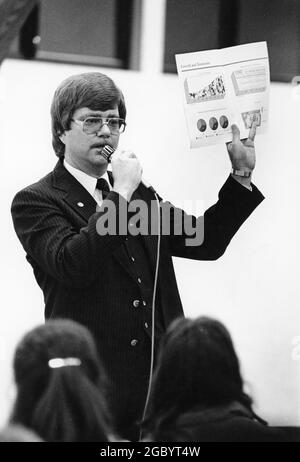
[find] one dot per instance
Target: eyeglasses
(92, 125)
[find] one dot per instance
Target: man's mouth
(97, 146)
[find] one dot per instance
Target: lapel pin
(80, 204)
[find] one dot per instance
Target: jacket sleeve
(69, 256)
(218, 225)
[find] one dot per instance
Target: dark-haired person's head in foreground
(60, 384)
(197, 392)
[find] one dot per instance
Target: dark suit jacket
(88, 278)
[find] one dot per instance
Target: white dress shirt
(87, 181)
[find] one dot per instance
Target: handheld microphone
(107, 151)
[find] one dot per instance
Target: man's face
(82, 150)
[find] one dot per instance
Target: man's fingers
(252, 131)
(235, 133)
(128, 154)
(132, 155)
(124, 154)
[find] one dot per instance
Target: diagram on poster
(222, 87)
(197, 89)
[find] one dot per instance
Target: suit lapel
(76, 196)
(110, 177)
(82, 202)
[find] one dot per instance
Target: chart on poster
(222, 87)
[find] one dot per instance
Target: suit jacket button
(146, 325)
(80, 204)
(136, 303)
(133, 342)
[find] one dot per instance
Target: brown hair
(93, 90)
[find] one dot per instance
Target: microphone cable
(107, 152)
(153, 312)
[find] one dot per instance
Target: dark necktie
(102, 185)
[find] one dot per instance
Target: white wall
(253, 288)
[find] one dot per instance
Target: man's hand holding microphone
(127, 173)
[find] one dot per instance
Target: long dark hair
(64, 403)
(197, 368)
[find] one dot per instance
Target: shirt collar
(87, 181)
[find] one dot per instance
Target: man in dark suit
(105, 281)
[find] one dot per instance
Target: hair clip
(63, 362)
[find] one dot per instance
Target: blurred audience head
(197, 368)
(91, 90)
(60, 384)
(18, 434)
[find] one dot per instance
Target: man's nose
(104, 130)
